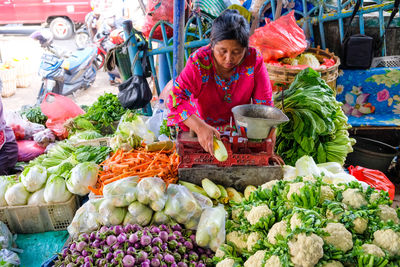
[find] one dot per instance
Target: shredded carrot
(140, 163)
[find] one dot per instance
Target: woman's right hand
(205, 133)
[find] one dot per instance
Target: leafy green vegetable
(317, 126)
(164, 129)
(92, 153)
(34, 114)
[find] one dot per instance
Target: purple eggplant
(84, 253)
(193, 256)
(128, 228)
(88, 259)
(99, 236)
(121, 238)
(86, 264)
(188, 245)
(165, 228)
(142, 256)
(169, 258)
(176, 227)
(193, 238)
(136, 228)
(109, 256)
(145, 240)
(172, 244)
(174, 265)
(137, 246)
(114, 262)
(155, 250)
(133, 238)
(84, 237)
(103, 229)
(182, 264)
(155, 230)
(131, 251)
(80, 259)
(70, 265)
(65, 252)
(111, 240)
(200, 265)
(98, 253)
(155, 262)
(201, 250)
(171, 237)
(92, 236)
(164, 247)
(96, 244)
(117, 253)
(128, 261)
(72, 246)
(164, 236)
(146, 263)
(118, 229)
(156, 241)
(177, 234)
(116, 246)
(81, 245)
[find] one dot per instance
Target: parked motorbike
(64, 73)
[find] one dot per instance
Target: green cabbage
(37, 198)
(111, 215)
(33, 178)
(122, 192)
(17, 195)
(82, 136)
(82, 176)
(309, 60)
(56, 191)
(138, 214)
(5, 183)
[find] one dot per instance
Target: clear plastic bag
(160, 217)
(138, 213)
(122, 192)
(211, 229)
(152, 192)
(111, 215)
(44, 138)
(86, 219)
(182, 206)
(6, 238)
(205, 202)
(23, 129)
(9, 258)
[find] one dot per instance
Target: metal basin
(257, 120)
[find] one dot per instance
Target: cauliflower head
(258, 212)
(333, 264)
(339, 236)
(372, 249)
(273, 261)
(388, 240)
(360, 225)
(374, 197)
(326, 193)
(387, 213)
(354, 198)
(238, 239)
(294, 189)
(334, 217)
(295, 221)
(278, 228)
(252, 240)
(269, 185)
(306, 251)
(226, 263)
(256, 260)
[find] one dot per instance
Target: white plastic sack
(33, 178)
(122, 192)
(111, 215)
(37, 198)
(6, 238)
(152, 191)
(9, 258)
(138, 214)
(56, 190)
(82, 176)
(17, 195)
(305, 166)
(211, 229)
(86, 219)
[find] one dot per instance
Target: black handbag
(357, 50)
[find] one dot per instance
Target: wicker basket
(286, 76)
(41, 218)
(9, 79)
(24, 72)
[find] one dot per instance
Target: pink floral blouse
(199, 90)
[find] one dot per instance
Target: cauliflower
(333, 217)
(295, 221)
(252, 240)
(274, 261)
(236, 214)
(277, 229)
(388, 240)
(256, 260)
(226, 263)
(360, 225)
(309, 178)
(256, 213)
(269, 185)
(387, 213)
(372, 249)
(219, 253)
(333, 264)
(305, 250)
(294, 189)
(354, 198)
(326, 193)
(339, 236)
(374, 197)
(238, 239)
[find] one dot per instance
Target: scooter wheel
(99, 61)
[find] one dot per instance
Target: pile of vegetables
(133, 245)
(139, 162)
(34, 114)
(307, 222)
(317, 125)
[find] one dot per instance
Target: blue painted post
(163, 71)
(179, 37)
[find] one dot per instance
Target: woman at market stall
(217, 77)
(8, 144)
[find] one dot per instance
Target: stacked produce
(134, 245)
(34, 114)
(307, 222)
(317, 125)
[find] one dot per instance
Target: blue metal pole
(132, 47)
(179, 37)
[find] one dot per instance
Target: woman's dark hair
(230, 25)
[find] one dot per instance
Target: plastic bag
(374, 178)
(86, 219)
(44, 138)
(158, 10)
(182, 206)
(205, 202)
(280, 38)
(122, 192)
(152, 191)
(23, 129)
(58, 109)
(111, 215)
(211, 229)
(160, 217)
(9, 258)
(28, 150)
(138, 214)
(6, 238)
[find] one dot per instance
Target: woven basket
(283, 75)
(9, 79)
(24, 72)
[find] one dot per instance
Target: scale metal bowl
(257, 120)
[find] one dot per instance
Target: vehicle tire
(61, 28)
(100, 60)
(82, 39)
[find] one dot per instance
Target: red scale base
(244, 153)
